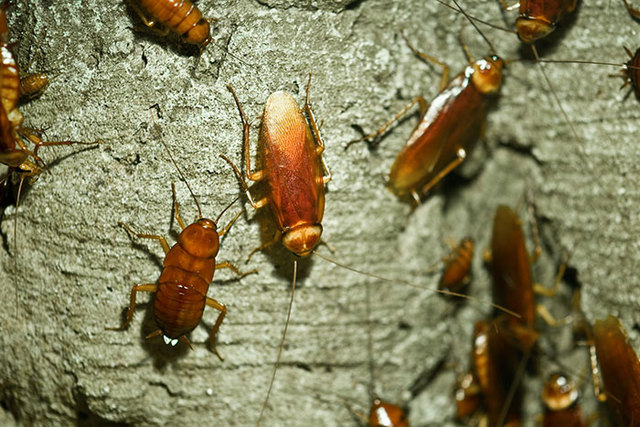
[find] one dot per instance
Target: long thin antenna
(404, 282)
(372, 385)
(166, 147)
(493, 50)
(487, 23)
(284, 334)
(15, 243)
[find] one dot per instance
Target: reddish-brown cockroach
(620, 370)
(181, 17)
(441, 141)
(457, 270)
(181, 291)
(539, 18)
(291, 149)
(499, 366)
(560, 396)
(513, 286)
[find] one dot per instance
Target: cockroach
(181, 17)
(291, 150)
(620, 370)
(539, 18)
(511, 272)
(441, 141)
(457, 270)
(499, 366)
(560, 396)
(188, 268)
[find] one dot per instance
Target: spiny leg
(160, 239)
(632, 11)
(253, 176)
(235, 269)
(460, 156)
(444, 79)
(316, 132)
(276, 239)
(417, 100)
(256, 205)
(150, 287)
(212, 335)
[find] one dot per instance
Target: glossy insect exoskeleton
(385, 414)
(498, 367)
(511, 271)
(457, 270)
(181, 291)
(560, 396)
(539, 18)
(620, 370)
(442, 139)
(290, 148)
(181, 17)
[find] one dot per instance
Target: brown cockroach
(468, 395)
(456, 274)
(539, 18)
(181, 17)
(188, 268)
(291, 149)
(560, 396)
(620, 370)
(441, 141)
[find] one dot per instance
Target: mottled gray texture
(76, 265)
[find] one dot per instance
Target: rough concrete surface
(76, 266)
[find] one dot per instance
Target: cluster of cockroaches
(295, 174)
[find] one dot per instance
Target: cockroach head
(559, 392)
(200, 239)
(303, 239)
(487, 74)
(532, 29)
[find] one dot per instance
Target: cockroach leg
(253, 176)
(549, 292)
(148, 22)
(160, 239)
(445, 68)
(223, 312)
(417, 100)
(235, 269)
(149, 287)
(316, 132)
(460, 156)
(260, 203)
(276, 238)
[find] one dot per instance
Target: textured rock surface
(76, 265)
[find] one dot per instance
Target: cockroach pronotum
(181, 17)
(620, 370)
(539, 18)
(441, 141)
(457, 270)
(188, 268)
(291, 149)
(560, 396)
